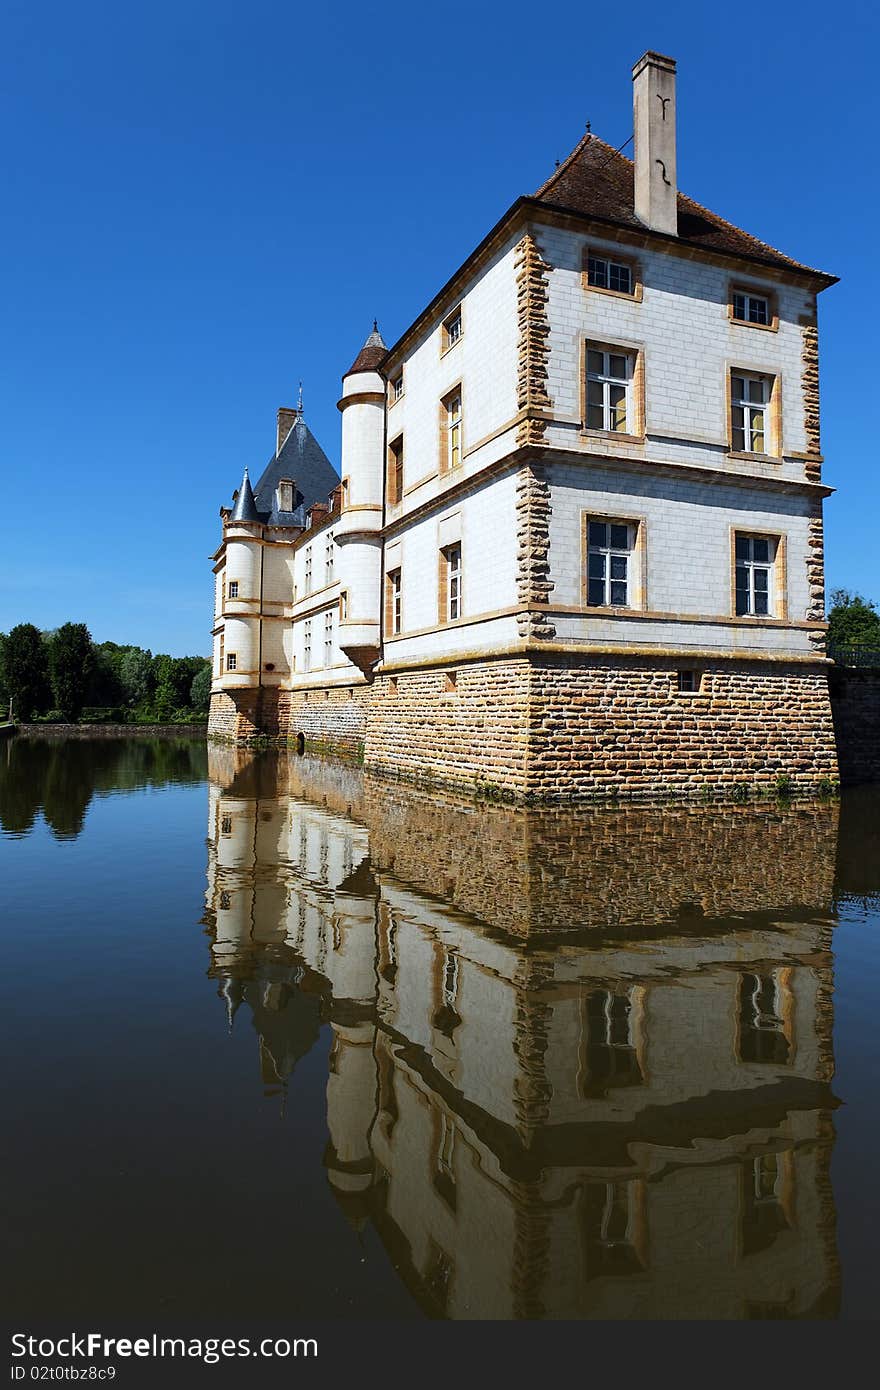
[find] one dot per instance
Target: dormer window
(755, 308)
(451, 330)
(284, 495)
(609, 275)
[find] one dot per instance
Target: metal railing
(855, 656)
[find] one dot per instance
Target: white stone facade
(490, 383)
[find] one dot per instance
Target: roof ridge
(561, 168)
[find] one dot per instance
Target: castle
(576, 545)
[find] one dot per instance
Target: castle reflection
(580, 1062)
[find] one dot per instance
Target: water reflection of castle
(570, 1076)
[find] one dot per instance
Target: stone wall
(329, 720)
(619, 724)
(855, 704)
(556, 727)
(464, 726)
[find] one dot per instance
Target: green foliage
(26, 671)
(200, 689)
(97, 682)
(135, 669)
(853, 621)
(71, 663)
(784, 786)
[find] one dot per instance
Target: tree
(136, 675)
(71, 662)
(200, 690)
(4, 692)
(853, 621)
(26, 671)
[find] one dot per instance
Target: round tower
(359, 528)
(242, 595)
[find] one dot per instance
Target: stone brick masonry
(551, 727)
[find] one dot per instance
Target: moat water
(284, 1041)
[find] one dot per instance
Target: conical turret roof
(371, 355)
(245, 508)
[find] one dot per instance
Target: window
(451, 330)
(763, 1209)
(688, 682)
(328, 638)
(307, 587)
(746, 307)
(307, 645)
(609, 1055)
(453, 582)
(226, 825)
(444, 1159)
(395, 470)
(446, 1017)
(230, 661)
(749, 402)
(452, 405)
(329, 556)
(609, 391)
(233, 588)
(762, 1035)
(394, 601)
(397, 387)
(611, 1229)
(343, 606)
(754, 566)
(609, 547)
(605, 274)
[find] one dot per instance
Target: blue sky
(206, 202)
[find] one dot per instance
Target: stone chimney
(654, 126)
(287, 418)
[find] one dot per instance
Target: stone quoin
(574, 549)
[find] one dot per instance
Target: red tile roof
(598, 181)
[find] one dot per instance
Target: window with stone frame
(231, 661)
(750, 412)
(394, 601)
(610, 403)
(329, 559)
(610, 580)
(396, 387)
(233, 588)
(755, 558)
(752, 307)
(307, 645)
(328, 638)
(395, 470)
(451, 446)
(307, 583)
(451, 330)
(450, 583)
(606, 273)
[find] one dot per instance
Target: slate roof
(302, 459)
(599, 181)
(371, 355)
(245, 508)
